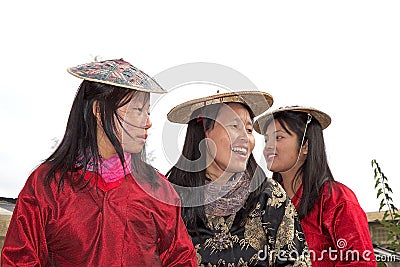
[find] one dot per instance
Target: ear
(96, 110)
(304, 148)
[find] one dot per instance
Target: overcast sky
(342, 57)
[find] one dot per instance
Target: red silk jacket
(123, 223)
(336, 229)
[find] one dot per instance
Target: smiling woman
(332, 218)
(232, 211)
(230, 142)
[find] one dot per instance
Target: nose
(244, 134)
(148, 123)
(269, 144)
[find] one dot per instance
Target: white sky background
(340, 56)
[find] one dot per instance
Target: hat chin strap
(309, 117)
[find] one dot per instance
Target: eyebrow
(239, 120)
(276, 131)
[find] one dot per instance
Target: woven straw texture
(323, 118)
(117, 72)
(257, 101)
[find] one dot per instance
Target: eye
(140, 109)
(249, 130)
(279, 137)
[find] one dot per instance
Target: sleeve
(175, 245)
(348, 227)
(25, 242)
(179, 250)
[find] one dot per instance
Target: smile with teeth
(240, 150)
(271, 156)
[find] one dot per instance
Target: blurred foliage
(391, 216)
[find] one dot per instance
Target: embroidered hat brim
(323, 118)
(119, 73)
(257, 101)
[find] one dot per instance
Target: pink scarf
(111, 169)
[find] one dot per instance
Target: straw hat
(257, 101)
(323, 118)
(117, 72)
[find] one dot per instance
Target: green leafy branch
(391, 216)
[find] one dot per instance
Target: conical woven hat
(257, 101)
(117, 72)
(323, 118)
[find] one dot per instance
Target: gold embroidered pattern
(254, 232)
(278, 196)
(263, 230)
(198, 256)
(286, 228)
(222, 238)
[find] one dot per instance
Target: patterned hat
(117, 72)
(323, 118)
(257, 101)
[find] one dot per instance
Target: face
(135, 122)
(231, 141)
(281, 150)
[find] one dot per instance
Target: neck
(220, 177)
(106, 149)
(290, 183)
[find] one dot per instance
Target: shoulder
(34, 190)
(338, 198)
(274, 194)
(338, 192)
(163, 191)
(341, 210)
(273, 188)
(36, 178)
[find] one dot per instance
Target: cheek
(131, 119)
(222, 144)
(220, 137)
(252, 143)
(119, 131)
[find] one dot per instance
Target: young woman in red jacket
(95, 201)
(334, 224)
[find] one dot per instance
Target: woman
(90, 203)
(235, 216)
(334, 224)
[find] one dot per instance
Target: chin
(133, 150)
(237, 169)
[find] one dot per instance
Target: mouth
(240, 150)
(270, 156)
(143, 137)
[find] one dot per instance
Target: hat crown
(116, 72)
(323, 118)
(257, 101)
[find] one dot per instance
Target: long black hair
(79, 145)
(315, 169)
(190, 170)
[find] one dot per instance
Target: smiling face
(281, 149)
(230, 142)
